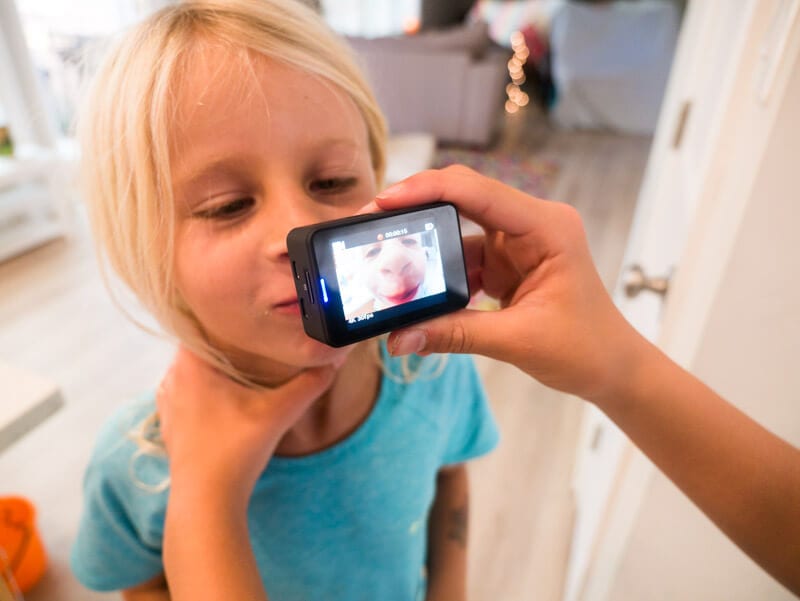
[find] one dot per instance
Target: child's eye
(409, 242)
(227, 210)
(332, 184)
(373, 252)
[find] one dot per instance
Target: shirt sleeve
(472, 430)
(119, 538)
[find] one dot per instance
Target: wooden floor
(522, 506)
(57, 321)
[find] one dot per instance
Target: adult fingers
(189, 366)
(466, 331)
(164, 389)
(473, 259)
(369, 208)
(294, 398)
(490, 203)
(300, 390)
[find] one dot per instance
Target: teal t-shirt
(349, 522)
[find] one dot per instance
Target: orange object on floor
(20, 540)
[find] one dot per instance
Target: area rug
(532, 176)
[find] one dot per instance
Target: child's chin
(318, 353)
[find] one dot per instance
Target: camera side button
(309, 288)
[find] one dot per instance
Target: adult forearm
(207, 552)
(447, 536)
(743, 477)
(156, 593)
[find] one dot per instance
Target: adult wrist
(629, 374)
(210, 494)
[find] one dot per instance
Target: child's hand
(557, 323)
(219, 435)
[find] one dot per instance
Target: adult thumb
(466, 331)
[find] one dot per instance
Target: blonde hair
(124, 131)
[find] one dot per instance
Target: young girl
(212, 129)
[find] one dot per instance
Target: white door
(731, 57)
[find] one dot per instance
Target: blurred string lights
(516, 97)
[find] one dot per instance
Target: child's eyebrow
(206, 170)
(237, 165)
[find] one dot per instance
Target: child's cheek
(211, 271)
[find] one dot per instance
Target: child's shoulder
(447, 395)
(439, 386)
(460, 369)
(115, 437)
(124, 503)
(123, 460)
(444, 375)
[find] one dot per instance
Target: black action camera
(366, 275)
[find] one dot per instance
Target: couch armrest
(419, 92)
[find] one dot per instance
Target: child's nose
(395, 261)
(292, 210)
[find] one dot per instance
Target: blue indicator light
(324, 291)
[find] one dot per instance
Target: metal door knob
(636, 280)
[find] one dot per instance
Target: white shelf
(28, 401)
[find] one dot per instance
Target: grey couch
(449, 83)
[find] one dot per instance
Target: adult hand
(219, 436)
(220, 433)
(557, 322)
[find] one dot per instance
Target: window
(58, 35)
(371, 18)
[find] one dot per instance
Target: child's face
(252, 158)
(395, 269)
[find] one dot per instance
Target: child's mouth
(403, 297)
(288, 308)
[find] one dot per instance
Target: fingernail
(391, 191)
(409, 342)
(370, 207)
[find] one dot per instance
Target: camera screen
(365, 275)
(379, 270)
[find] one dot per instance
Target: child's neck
(340, 410)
